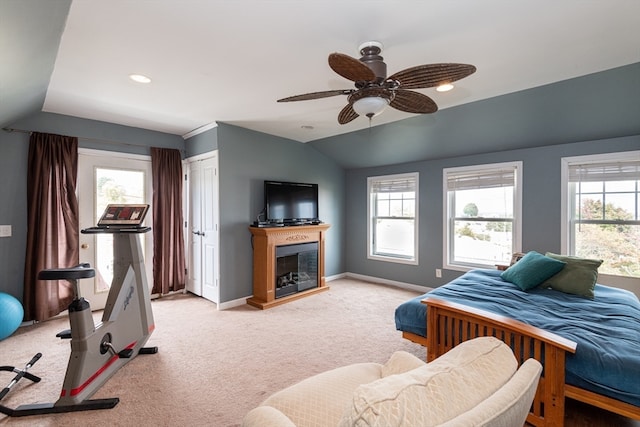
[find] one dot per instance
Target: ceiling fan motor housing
(370, 52)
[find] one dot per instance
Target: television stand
(277, 251)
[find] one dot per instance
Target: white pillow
(400, 362)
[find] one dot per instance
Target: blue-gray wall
(13, 210)
(541, 219)
(202, 143)
(98, 135)
(246, 159)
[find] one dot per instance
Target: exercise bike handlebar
(80, 271)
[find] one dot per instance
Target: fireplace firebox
(296, 268)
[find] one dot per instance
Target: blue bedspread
(606, 329)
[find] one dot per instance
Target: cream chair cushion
(320, 400)
(436, 392)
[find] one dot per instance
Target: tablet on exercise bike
(123, 215)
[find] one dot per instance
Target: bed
(590, 348)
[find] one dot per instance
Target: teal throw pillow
(578, 277)
(533, 269)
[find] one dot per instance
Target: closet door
(203, 273)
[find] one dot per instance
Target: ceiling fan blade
(351, 68)
(413, 102)
(423, 76)
(316, 95)
(347, 114)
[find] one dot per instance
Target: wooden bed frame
(449, 324)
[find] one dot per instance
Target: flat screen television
(290, 202)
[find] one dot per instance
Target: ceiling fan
(374, 91)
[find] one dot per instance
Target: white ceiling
(229, 61)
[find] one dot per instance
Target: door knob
(84, 246)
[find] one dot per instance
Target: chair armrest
(266, 416)
(509, 405)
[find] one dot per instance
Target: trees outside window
(603, 205)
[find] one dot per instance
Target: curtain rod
(104, 141)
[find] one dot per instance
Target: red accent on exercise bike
(99, 372)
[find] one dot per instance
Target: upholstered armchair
(477, 383)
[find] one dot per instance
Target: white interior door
(203, 276)
(194, 276)
(108, 177)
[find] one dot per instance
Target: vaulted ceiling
(229, 61)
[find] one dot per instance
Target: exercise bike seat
(80, 271)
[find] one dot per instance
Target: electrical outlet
(438, 273)
(5, 231)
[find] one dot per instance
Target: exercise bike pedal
(65, 335)
(148, 350)
(126, 353)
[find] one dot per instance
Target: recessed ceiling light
(445, 87)
(139, 78)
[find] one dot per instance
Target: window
(482, 215)
(393, 218)
(601, 199)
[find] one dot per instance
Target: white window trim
(416, 245)
(517, 209)
(629, 283)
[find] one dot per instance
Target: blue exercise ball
(11, 314)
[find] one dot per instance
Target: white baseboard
(403, 285)
(335, 277)
(233, 303)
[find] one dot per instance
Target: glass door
(104, 178)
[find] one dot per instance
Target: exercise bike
(98, 350)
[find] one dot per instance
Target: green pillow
(533, 269)
(578, 277)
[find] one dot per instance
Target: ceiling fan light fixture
(370, 106)
(139, 78)
(444, 87)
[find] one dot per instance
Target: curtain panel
(52, 225)
(168, 241)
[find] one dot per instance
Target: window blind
(471, 180)
(607, 171)
(394, 185)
